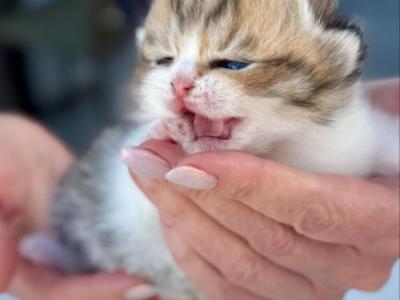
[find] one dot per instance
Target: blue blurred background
(68, 63)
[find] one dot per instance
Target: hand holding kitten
(258, 230)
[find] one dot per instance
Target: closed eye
(165, 61)
(229, 64)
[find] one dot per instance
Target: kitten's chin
(209, 144)
(206, 144)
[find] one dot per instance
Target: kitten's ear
(140, 33)
(341, 41)
(324, 9)
(345, 49)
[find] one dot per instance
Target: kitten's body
(298, 103)
(109, 224)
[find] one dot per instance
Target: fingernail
(140, 292)
(192, 178)
(145, 164)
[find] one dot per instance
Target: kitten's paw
(178, 130)
(45, 250)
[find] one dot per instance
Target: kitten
(278, 79)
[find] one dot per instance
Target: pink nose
(182, 88)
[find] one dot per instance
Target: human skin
(246, 228)
(31, 164)
(32, 161)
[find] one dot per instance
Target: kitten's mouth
(220, 129)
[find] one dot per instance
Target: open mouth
(220, 129)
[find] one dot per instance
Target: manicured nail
(141, 292)
(145, 164)
(192, 178)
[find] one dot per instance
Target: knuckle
(244, 270)
(315, 219)
(319, 215)
(276, 241)
(244, 191)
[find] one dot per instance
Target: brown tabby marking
(271, 34)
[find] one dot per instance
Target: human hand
(308, 236)
(31, 161)
(271, 232)
(31, 164)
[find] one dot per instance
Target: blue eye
(229, 64)
(165, 61)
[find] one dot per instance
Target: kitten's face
(243, 74)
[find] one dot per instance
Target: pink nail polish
(192, 178)
(145, 164)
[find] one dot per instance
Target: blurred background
(68, 63)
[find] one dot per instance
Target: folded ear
(324, 9)
(345, 51)
(341, 42)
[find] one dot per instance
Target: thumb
(8, 257)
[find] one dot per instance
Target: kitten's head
(247, 73)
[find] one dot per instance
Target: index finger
(329, 208)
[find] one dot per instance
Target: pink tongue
(205, 127)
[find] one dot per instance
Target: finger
(8, 257)
(201, 274)
(328, 208)
(168, 151)
(325, 263)
(145, 161)
(34, 283)
(243, 267)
